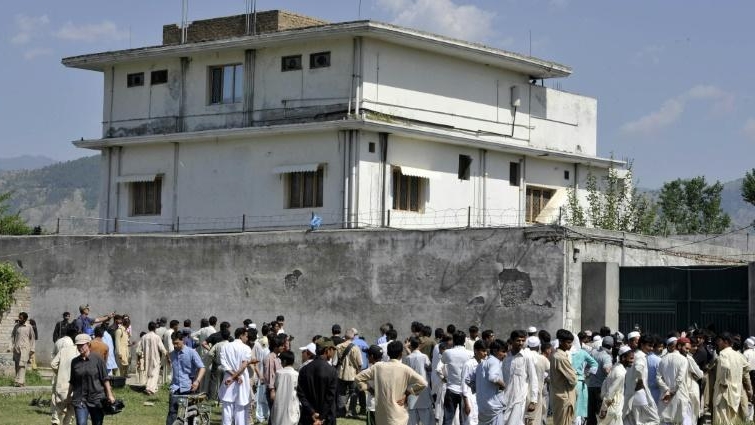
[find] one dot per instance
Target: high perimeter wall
(495, 278)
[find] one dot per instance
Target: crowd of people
(441, 376)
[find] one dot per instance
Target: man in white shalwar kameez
(639, 407)
(286, 409)
(694, 374)
(612, 390)
(421, 405)
(235, 390)
(520, 376)
(671, 376)
(150, 353)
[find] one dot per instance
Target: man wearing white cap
(612, 390)
(671, 376)
(520, 377)
(532, 331)
(542, 366)
(308, 353)
(639, 406)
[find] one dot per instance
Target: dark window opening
(566, 174)
(291, 63)
(146, 197)
(319, 60)
(135, 80)
(371, 147)
(408, 192)
(305, 189)
(514, 173)
(465, 163)
(159, 77)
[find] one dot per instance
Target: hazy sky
(674, 80)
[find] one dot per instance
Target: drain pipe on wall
(383, 138)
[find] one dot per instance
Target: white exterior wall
(198, 112)
(238, 175)
(563, 121)
(429, 87)
(275, 89)
(219, 182)
(137, 106)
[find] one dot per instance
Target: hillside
(25, 162)
(741, 212)
(59, 190)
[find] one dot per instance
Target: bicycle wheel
(202, 419)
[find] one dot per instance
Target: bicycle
(192, 409)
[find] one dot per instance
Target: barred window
(305, 188)
(146, 197)
(408, 191)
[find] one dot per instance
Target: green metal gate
(662, 299)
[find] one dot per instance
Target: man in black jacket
(316, 388)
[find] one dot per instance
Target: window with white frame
(226, 83)
(305, 188)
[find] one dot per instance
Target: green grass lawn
(17, 410)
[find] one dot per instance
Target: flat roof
(531, 66)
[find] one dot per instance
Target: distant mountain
(741, 212)
(60, 190)
(25, 162)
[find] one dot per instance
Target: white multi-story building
(229, 124)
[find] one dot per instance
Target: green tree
(612, 204)
(691, 206)
(11, 280)
(11, 224)
(748, 187)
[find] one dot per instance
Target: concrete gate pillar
(600, 295)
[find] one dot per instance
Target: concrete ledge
(25, 390)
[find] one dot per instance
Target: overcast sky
(674, 79)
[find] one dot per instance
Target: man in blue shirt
(85, 324)
(188, 371)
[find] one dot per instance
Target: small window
(159, 77)
(146, 197)
(514, 173)
(408, 192)
(305, 189)
(537, 199)
(291, 63)
(135, 80)
(465, 163)
(566, 174)
(371, 147)
(319, 60)
(226, 84)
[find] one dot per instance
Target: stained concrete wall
(495, 278)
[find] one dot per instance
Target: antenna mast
(184, 20)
